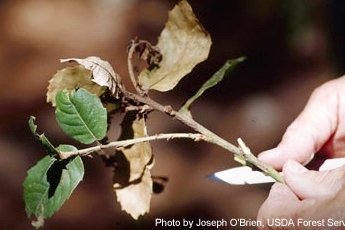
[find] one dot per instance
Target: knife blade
(245, 175)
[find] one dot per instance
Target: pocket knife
(245, 175)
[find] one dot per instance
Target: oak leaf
(183, 44)
(132, 178)
(72, 78)
(81, 115)
(102, 73)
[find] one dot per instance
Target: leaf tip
(39, 222)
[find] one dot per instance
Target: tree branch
(185, 117)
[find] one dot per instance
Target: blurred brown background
(291, 46)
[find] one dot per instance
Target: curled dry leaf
(183, 43)
(71, 78)
(102, 73)
(132, 179)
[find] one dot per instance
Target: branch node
(169, 110)
(199, 137)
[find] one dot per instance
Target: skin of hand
(320, 127)
(310, 195)
(307, 196)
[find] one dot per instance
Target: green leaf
(49, 184)
(214, 80)
(42, 138)
(81, 115)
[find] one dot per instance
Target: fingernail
(295, 167)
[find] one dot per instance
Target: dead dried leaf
(132, 179)
(71, 78)
(183, 43)
(135, 198)
(102, 73)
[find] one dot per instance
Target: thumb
(308, 184)
(299, 142)
(310, 131)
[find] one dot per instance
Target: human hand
(320, 126)
(309, 199)
(310, 195)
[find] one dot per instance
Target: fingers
(307, 195)
(280, 193)
(283, 204)
(312, 184)
(311, 129)
(279, 196)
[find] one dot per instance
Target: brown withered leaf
(183, 43)
(132, 178)
(102, 73)
(71, 78)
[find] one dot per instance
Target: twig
(124, 143)
(249, 159)
(131, 51)
(146, 52)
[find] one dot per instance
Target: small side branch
(146, 52)
(124, 143)
(131, 51)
